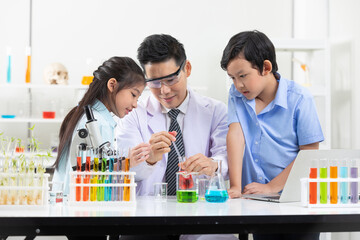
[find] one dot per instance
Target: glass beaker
(217, 191)
(186, 187)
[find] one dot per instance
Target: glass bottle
(217, 191)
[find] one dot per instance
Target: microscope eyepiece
(89, 113)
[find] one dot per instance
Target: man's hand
(159, 144)
(139, 154)
(199, 163)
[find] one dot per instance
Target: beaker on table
(217, 191)
(186, 187)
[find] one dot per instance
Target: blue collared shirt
(273, 137)
(106, 124)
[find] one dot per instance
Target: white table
(152, 217)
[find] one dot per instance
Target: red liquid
(313, 187)
(86, 189)
(48, 115)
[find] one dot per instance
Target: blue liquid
(216, 196)
(344, 194)
(8, 78)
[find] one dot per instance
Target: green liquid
(185, 196)
(323, 186)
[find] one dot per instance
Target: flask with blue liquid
(217, 191)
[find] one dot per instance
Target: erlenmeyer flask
(217, 190)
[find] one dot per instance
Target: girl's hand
(234, 192)
(139, 154)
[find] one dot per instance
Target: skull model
(56, 73)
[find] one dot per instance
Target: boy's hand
(139, 154)
(199, 163)
(234, 192)
(258, 188)
(159, 144)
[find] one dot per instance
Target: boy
(270, 119)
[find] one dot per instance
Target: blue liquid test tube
(354, 191)
(344, 186)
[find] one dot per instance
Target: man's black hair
(160, 48)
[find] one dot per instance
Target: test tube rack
(305, 183)
(24, 189)
(102, 188)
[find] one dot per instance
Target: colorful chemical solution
(313, 186)
(78, 179)
(28, 67)
(86, 179)
(86, 80)
(333, 185)
(186, 196)
(94, 180)
(127, 180)
(323, 186)
(8, 116)
(217, 196)
(354, 192)
(8, 75)
(48, 115)
(344, 193)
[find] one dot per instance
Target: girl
(116, 87)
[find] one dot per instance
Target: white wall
(70, 31)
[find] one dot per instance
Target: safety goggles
(167, 80)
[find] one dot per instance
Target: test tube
(78, 169)
(354, 191)
(313, 185)
(334, 185)
(323, 185)
(344, 186)
(127, 180)
(93, 190)
(111, 168)
(87, 177)
(114, 181)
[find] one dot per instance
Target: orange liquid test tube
(313, 186)
(28, 66)
(78, 179)
(333, 185)
(126, 196)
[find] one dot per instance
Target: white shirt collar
(183, 106)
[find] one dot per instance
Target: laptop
(300, 169)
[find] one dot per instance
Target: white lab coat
(204, 131)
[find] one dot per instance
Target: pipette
(180, 158)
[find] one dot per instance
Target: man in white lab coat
(202, 120)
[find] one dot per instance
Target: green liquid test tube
(323, 185)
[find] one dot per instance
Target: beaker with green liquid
(186, 187)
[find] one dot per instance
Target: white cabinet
(315, 53)
(27, 104)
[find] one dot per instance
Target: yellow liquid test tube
(333, 185)
(126, 196)
(94, 180)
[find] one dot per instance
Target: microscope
(89, 136)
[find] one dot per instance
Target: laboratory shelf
(30, 120)
(292, 45)
(42, 86)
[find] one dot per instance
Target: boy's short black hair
(159, 48)
(255, 46)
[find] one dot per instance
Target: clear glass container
(217, 191)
